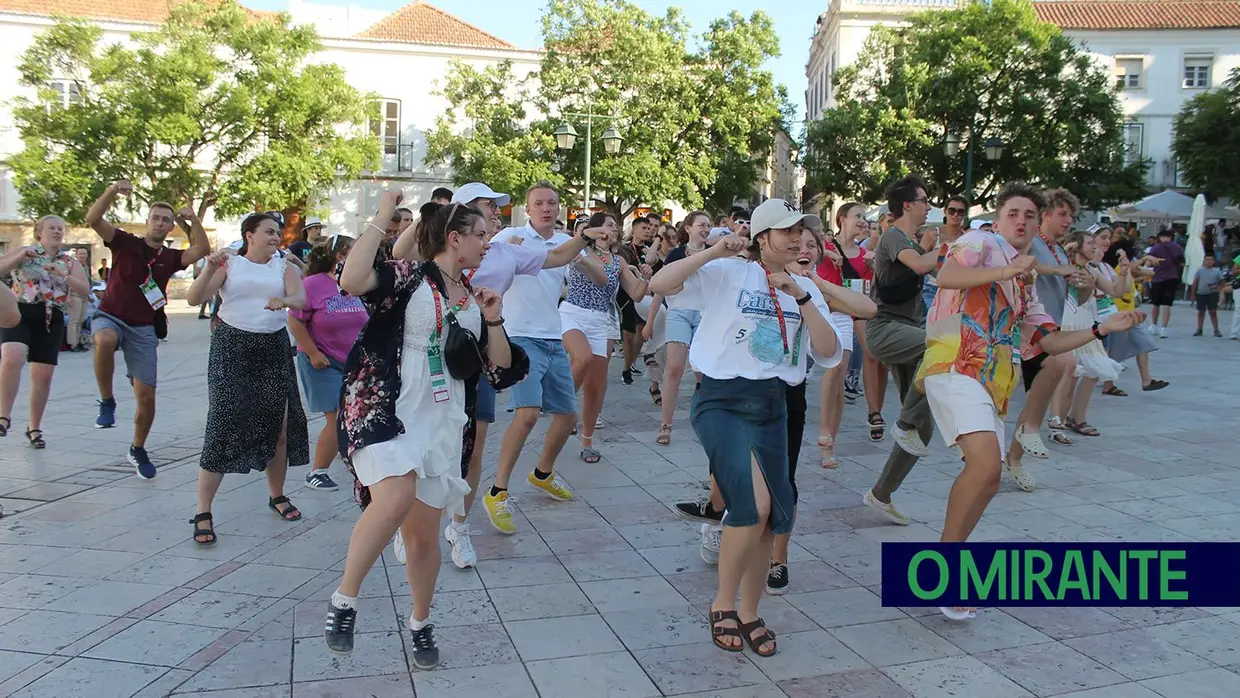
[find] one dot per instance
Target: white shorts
(598, 327)
(844, 327)
(961, 405)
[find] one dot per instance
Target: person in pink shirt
(325, 331)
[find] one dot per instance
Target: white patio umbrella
(1194, 252)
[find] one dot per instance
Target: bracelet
(372, 225)
(494, 323)
(804, 299)
(1097, 335)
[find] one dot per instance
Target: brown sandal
(718, 633)
(665, 435)
(755, 643)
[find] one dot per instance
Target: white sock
(341, 601)
(416, 625)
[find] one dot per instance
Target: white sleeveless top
(246, 291)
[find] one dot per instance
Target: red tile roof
(1111, 15)
(420, 23)
(139, 11)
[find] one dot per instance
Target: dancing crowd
(407, 337)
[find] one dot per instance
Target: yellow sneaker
(553, 486)
(499, 511)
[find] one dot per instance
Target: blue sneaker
(107, 414)
(141, 462)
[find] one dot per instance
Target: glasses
(953, 211)
(922, 200)
(741, 222)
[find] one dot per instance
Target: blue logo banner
(1061, 574)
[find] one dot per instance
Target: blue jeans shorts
(739, 419)
(549, 384)
(321, 386)
(139, 345)
(682, 324)
(484, 409)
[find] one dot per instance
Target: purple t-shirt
(333, 318)
(503, 262)
(1172, 256)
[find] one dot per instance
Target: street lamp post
(566, 137)
(993, 148)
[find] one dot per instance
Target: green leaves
(214, 108)
(1207, 140)
(696, 120)
(989, 69)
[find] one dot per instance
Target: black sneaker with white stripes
(777, 579)
(700, 510)
(425, 651)
(320, 480)
(339, 629)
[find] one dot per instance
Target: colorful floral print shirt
(982, 332)
(35, 282)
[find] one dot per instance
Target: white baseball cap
(978, 223)
(477, 190)
(774, 214)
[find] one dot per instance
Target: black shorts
(629, 319)
(1207, 301)
(797, 407)
(1030, 368)
(42, 342)
(1162, 293)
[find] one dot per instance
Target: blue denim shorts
(739, 419)
(139, 345)
(549, 384)
(682, 324)
(321, 386)
(484, 409)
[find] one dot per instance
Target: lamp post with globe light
(993, 148)
(566, 138)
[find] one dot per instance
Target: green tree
(216, 108)
(1207, 140)
(686, 114)
(989, 70)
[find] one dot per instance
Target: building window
(64, 93)
(1134, 142)
(1128, 73)
(387, 126)
(1197, 72)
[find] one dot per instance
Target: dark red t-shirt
(132, 260)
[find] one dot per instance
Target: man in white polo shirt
(533, 321)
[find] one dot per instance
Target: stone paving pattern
(102, 592)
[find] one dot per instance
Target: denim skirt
(738, 420)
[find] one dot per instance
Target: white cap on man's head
(311, 222)
(467, 193)
(774, 214)
(977, 224)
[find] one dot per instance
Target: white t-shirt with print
(531, 305)
(739, 336)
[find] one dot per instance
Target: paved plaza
(103, 593)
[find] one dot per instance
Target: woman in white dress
(1080, 312)
(403, 403)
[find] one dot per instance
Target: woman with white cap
(749, 350)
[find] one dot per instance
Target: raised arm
(199, 245)
(95, 216)
(211, 279)
(358, 276)
(406, 246)
(955, 275)
(572, 249)
(671, 278)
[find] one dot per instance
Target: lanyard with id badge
(434, 353)
(150, 290)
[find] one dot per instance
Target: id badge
(153, 295)
(1016, 345)
(439, 384)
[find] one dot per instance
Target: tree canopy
(696, 121)
(986, 70)
(1207, 140)
(216, 108)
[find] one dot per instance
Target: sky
(517, 22)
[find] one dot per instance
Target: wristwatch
(804, 299)
(1098, 335)
(494, 323)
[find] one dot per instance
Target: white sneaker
(398, 546)
(711, 538)
(910, 442)
(888, 510)
(1162, 333)
(463, 555)
(599, 423)
(1152, 329)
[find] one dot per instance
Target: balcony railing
(403, 160)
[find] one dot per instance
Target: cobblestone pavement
(102, 592)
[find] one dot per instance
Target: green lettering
(1102, 568)
(1038, 577)
(1143, 558)
(970, 576)
(1166, 575)
(1072, 576)
(1014, 584)
(944, 575)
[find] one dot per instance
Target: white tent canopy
(1164, 206)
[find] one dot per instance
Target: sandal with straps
(656, 395)
(274, 505)
(4, 428)
(200, 532)
(665, 435)
(877, 426)
(35, 437)
(755, 643)
(720, 635)
(826, 444)
(1082, 428)
(1114, 392)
